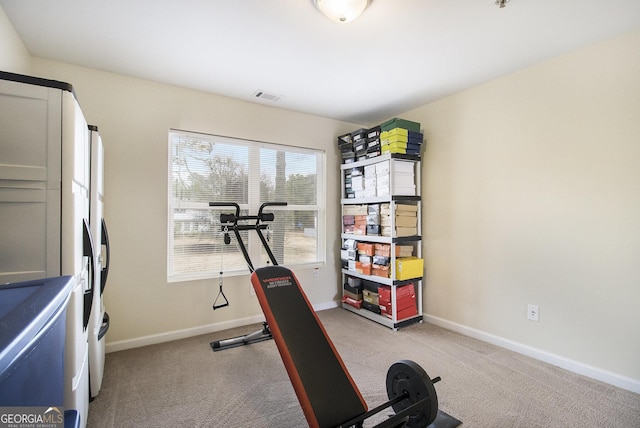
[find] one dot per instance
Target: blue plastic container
(32, 341)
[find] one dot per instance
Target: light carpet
(185, 384)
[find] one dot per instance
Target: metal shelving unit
(392, 200)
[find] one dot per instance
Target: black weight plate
(407, 377)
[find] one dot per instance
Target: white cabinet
(381, 236)
(44, 207)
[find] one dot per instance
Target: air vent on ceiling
(267, 96)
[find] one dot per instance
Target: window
(209, 168)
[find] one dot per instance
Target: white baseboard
(154, 339)
(614, 379)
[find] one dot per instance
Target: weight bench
(327, 394)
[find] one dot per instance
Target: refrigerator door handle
(105, 269)
(88, 252)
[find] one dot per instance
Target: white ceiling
(398, 55)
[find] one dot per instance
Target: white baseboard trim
(154, 339)
(614, 379)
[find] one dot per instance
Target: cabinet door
(30, 174)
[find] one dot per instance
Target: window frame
(253, 244)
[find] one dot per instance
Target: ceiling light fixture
(502, 3)
(341, 10)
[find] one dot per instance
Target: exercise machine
(326, 392)
(236, 223)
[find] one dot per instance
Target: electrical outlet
(533, 313)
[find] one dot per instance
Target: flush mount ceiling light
(341, 10)
(502, 3)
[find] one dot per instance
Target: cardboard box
(354, 282)
(370, 193)
(406, 231)
(380, 260)
(363, 268)
(348, 219)
(382, 168)
(354, 209)
(391, 148)
(349, 301)
(360, 229)
(359, 134)
(405, 301)
(383, 191)
(400, 140)
(353, 172)
(350, 244)
(379, 270)
(345, 139)
(360, 146)
(378, 248)
(370, 296)
(370, 170)
(404, 167)
(406, 221)
(373, 219)
(348, 157)
(371, 307)
(409, 268)
(406, 208)
(370, 285)
(404, 250)
(357, 182)
(373, 229)
(397, 131)
(400, 123)
(354, 296)
(373, 144)
(404, 304)
(370, 182)
(373, 152)
(402, 291)
(383, 180)
(403, 179)
(403, 313)
(404, 190)
(360, 219)
(373, 132)
(373, 209)
(365, 248)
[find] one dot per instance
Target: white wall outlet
(533, 313)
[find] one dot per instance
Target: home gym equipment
(236, 224)
(326, 392)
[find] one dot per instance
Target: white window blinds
(208, 168)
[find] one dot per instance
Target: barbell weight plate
(405, 377)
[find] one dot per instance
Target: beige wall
(531, 190)
(14, 57)
(134, 117)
